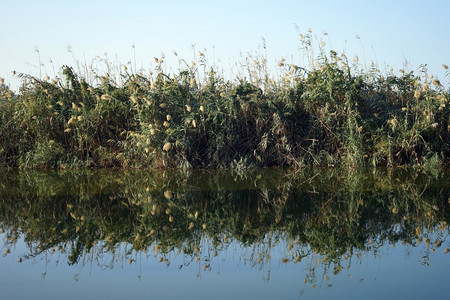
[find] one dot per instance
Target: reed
(331, 113)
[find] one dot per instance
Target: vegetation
(331, 113)
(321, 218)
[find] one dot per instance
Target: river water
(258, 234)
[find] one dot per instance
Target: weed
(331, 113)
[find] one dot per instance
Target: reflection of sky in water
(396, 272)
(279, 219)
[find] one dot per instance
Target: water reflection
(323, 220)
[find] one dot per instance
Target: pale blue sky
(391, 32)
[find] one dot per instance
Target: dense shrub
(331, 114)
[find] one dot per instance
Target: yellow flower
(71, 120)
(105, 97)
(188, 108)
(167, 147)
(168, 117)
(202, 109)
(80, 118)
(194, 124)
(168, 194)
(417, 94)
(67, 130)
(163, 105)
(166, 124)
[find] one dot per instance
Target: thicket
(333, 113)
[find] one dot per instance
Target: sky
(400, 34)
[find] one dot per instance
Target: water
(261, 234)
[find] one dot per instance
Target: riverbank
(334, 113)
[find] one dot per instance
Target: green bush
(331, 114)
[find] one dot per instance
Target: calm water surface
(261, 234)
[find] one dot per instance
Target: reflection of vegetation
(327, 214)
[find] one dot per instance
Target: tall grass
(331, 113)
